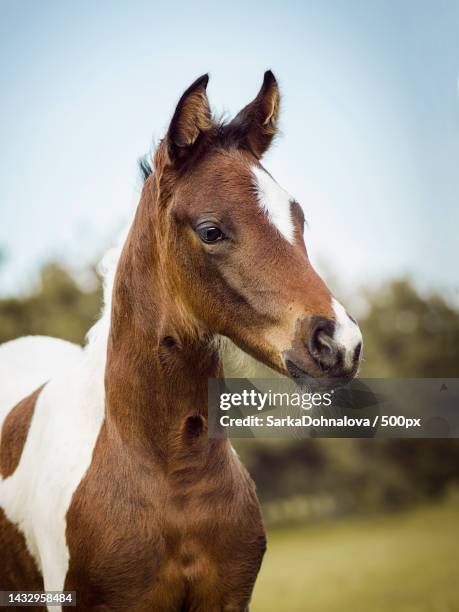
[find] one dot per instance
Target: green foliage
(408, 336)
(58, 307)
(351, 475)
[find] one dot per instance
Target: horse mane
(145, 166)
(97, 335)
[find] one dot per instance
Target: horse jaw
(238, 364)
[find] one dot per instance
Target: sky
(369, 123)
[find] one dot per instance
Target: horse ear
(256, 124)
(192, 117)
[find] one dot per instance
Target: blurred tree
(58, 307)
(406, 335)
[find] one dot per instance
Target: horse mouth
(296, 373)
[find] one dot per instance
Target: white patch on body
(347, 333)
(67, 419)
(66, 422)
(275, 201)
(27, 363)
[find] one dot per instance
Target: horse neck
(153, 388)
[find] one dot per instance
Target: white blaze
(275, 201)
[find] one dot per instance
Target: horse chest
(163, 547)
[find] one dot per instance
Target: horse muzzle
(325, 348)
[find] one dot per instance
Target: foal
(110, 486)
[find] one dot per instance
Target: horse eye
(210, 234)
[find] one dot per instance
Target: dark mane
(145, 167)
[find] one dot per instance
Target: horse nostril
(337, 351)
(321, 344)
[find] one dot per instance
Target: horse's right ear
(192, 118)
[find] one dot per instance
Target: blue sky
(369, 123)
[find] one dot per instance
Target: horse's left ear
(256, 124)
(192, 118)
